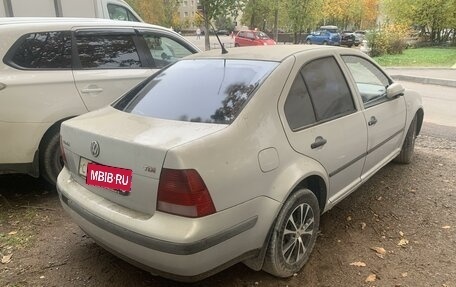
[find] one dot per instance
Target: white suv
(53, 69)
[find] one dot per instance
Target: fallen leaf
(12, 232)
(380, 198)
(403, 242)
(405, 274)
(349, 218)
(42, 277)
(358, 264)
(446, 227)
(371, 278)
(6, 259)
(363, 225)
(401, 233)
(379, 250)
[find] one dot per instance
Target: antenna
(224, 51)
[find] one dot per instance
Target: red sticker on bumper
(109, 177)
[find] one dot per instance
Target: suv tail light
(62, 152)
(183, 192)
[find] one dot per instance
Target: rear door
(324, 122)
(108, 63)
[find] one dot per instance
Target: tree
(212, 9)
(437, 18)
(160, 12)
(302, 14)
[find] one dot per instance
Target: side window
(371, 82)
(97, 51)
(250, 35)
(49, 50)
(328, 89)
(298, 106)
(165, 50)
(117, 12)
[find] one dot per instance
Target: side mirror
(394, 90)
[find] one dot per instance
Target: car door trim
(158, 244)
(385, 141)
(364, 154)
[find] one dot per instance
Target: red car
(252, 38)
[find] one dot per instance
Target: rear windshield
(202, 90)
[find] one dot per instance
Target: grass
(420, 57)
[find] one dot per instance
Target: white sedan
(226, 158)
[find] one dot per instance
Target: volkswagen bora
(226, 158)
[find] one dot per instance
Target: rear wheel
(308, 42)
(294, 235)
(408, 146)
(236, 45)
(325, 43)
(51, 162)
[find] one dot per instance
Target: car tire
(349, 46)
(308, 42)
(325, 43)
(293, 237)
(236, 45)
(408, 146)
(51, 162)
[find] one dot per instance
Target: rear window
(45, 50)
(210, 91)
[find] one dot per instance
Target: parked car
(348, 38)
(185, 180)
(109, 9)
(327, 35)
(57, 68)
(252, 38)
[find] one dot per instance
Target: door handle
(92, 90)
(372, 121)
(319, 141)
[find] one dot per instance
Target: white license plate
(83, 162)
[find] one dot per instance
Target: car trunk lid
(129, 142)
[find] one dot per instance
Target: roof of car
(265, 53)
(68, 21)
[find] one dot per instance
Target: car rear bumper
(183, 247)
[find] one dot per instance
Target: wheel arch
(420, 117)
(48, 133)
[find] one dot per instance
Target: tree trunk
(207, 27)
(276, 22)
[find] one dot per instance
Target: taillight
(183, 192)
(62, 152)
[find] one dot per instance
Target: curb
(422, 80)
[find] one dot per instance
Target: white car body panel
(99, 87)
(34, 100)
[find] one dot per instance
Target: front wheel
(409, 144)
(308, 42)
(236, 45)
(51, 162)
(294, 235)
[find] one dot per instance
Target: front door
(385, 118)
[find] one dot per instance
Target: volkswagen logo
(95, 148)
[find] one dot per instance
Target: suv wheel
(51, 162)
